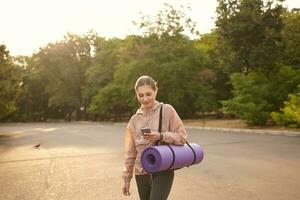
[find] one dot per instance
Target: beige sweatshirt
(172, 129)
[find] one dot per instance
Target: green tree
(173, 59)
(219, 79)
(167, 54)
(9, 83)
(249, 102)
(168, 22)
(291, 34)
(252, 33)
(104, 62)
(64, 65)
(32, 104)
(109, 103)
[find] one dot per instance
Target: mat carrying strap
(173, 153)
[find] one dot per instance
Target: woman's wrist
(161, 136)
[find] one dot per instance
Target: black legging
(156, 186)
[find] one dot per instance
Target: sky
(28, 25)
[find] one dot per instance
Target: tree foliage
(9, 83)
(252, 31)
(257, 95)
(32, 103)
(254, 41)
(290, 113)
(248, 66)
(291, 34)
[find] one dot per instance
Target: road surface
(83, 161)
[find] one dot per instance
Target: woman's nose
(144, 99)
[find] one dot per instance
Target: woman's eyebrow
(144, 93)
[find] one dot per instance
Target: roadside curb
(252, 131)
(239, 130)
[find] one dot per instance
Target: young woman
(156, 186)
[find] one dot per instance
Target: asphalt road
(84, 161)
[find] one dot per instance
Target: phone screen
(145, 130)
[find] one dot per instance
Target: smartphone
(145, 130)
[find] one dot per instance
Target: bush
(249, 102)
(290, 115)
(257, 95)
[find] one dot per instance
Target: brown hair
(145, 80)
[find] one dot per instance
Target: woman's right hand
(126, 187)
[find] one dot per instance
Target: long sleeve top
(172, 129)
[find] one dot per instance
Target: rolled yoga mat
(163, 157)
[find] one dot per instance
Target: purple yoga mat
(159, 158)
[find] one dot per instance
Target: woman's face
(146, 96)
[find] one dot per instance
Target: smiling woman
(146, 91)
(158, 185)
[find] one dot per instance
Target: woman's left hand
(153, 136)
